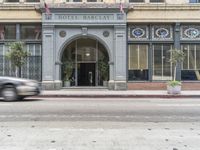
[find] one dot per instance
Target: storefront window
(30, 32)
(194, 1)
(191, 63)
(162, 68)
(136, 1)
(138, 62)
(157, 1)
(12, 1)
(32, 1)
(73, 0)
(7, 32)
(33, 66)
(2, 32)
(1, 58)
(91, 0)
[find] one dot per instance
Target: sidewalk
(117, 94)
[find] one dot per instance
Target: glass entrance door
(162, 68)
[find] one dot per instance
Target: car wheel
(9, 93)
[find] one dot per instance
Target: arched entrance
(85, 63)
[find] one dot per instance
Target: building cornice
(84, 7)
(177, 7)
(17, 6)
(60, 7)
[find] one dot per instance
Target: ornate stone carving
(106, 33)
(62, 33)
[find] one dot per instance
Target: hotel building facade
(91, 43)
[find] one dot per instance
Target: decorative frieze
(138, 32)
(190, 32)
(161, 33)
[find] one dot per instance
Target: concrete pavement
(89, 92)
(99, 136)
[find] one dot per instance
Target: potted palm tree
(68, 70)
(104, 70)
(174, 86)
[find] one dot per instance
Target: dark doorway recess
(86, 74)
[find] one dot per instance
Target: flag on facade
(47, 11)
(2, 30)
(121, 8)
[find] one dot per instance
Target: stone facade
(94, 26)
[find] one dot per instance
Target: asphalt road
(99, 109)
(100, 124)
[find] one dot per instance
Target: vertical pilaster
(120, 57)
(177, 45)
(48, 63)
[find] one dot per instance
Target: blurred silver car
(12, 89)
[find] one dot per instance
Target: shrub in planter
(174, 86)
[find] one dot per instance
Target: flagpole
(121, 7)
(47, 10)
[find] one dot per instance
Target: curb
(117, 96)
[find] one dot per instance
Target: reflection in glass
(31, 32)
(2, 32)
(162, 68)
(7, 32)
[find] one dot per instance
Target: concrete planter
(174, 90)
(67, 84)
(105, 83)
